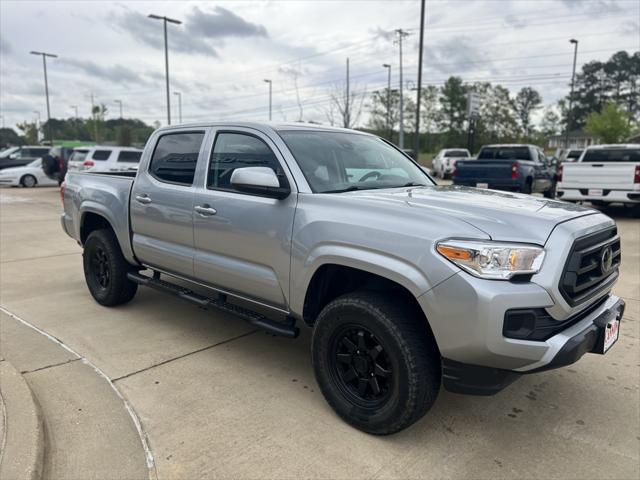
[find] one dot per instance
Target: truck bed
(486, 173)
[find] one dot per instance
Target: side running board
(288, 329)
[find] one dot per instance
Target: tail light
(636, 175)
(88, 163)
(62, 187)
(559, 173)
(514, 171)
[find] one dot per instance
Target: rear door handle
(144, 199)
(205, 210)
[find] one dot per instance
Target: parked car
(30, 175)
(516, 168)
(104, 159)
(21, 156)
(444, 162)
(604, 174)
(407, 285)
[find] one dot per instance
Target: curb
(22, 456)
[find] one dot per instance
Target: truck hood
(503, 216)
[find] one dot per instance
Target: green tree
(29, 131)
(453, 109)
(498, 121)
(611, 125)
(527, 100)
(8, 136)
(384, 111)
(550, 124)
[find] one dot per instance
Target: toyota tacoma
(407, 285)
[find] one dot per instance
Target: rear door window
(129, 156)
(101, 155)
(175, 157)
(603, 155)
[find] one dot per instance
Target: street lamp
(388, 67)
(573, 79)
(179, 94)
(46, 88)
(270, 93)
(75, 108)
(119, 102)
(166, 57)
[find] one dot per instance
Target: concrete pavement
(218, 399)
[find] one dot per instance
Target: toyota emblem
(606, 259)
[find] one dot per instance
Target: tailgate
(483, 169)
(611, 175)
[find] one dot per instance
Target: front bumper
(464, 378)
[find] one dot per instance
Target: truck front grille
(592, 266)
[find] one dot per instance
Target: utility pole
(347, 108)
(266, 80)
(573, 79)
(401, 34)
(179, 94)
(119, 102)
(166, 58)
(75, 108)
(416, 140)
(388, 67)
(46, 89)
(37, 112)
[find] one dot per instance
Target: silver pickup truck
(407, 285)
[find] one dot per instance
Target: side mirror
(259, 181)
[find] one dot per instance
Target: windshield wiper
(413, 184)
(351, 188)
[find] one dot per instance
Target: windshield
(456, 153)
(337, 162)
(504, 153)
(612, 155)
(78, 155)
(8, 151)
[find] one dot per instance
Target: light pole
(46, 88)
(37, 112)
(179, 94)
(573, 79)
(416, 141)
(119, 102)
(388, 67)
(75, 108)
(166, 57)
(401, 34)
(270, 95)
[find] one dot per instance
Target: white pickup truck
(602, 175)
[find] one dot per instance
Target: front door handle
(205, 210)
(144, 199)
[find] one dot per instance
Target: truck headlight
(492, 260)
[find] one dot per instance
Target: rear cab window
(456, 153)
(605, 155)
(101, 155)
(175, 157)
(78, 156)
(129, 156)
(505, 153)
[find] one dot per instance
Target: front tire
(105, 269)
(551, 193)
(376, 361)
(28, 181)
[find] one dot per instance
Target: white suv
(445, 161)
(104, 159)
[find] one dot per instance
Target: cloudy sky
(222, 52)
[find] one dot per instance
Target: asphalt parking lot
(216, 398)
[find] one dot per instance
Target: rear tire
(376, 362)
(105, 269)
(551, 193)
(527, 188)
(28, 181)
